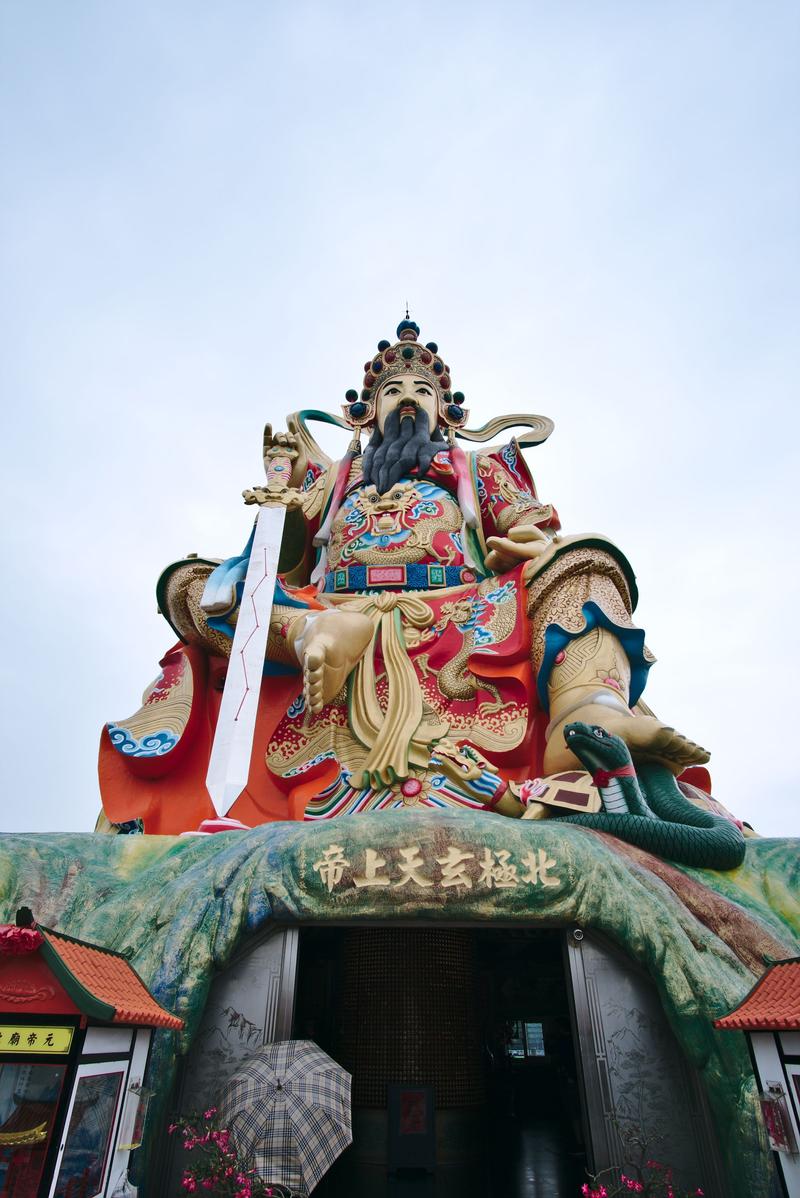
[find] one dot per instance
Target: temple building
(396, 797)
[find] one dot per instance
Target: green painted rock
(179, 907)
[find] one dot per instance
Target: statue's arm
(517, 525)
(305, 497)
(191, 594)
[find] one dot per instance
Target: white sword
(229, 765)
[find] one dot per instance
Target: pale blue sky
(212, 212)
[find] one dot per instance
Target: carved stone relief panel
(249, 1004)
(643, 1101)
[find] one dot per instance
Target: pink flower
(172, 1127)
(210, 1113)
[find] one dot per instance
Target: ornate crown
(405, 356)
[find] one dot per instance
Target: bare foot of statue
(646, 737)
(332, 644)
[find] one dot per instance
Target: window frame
(93, 1069)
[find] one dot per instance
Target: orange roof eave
(773, 1004)
(103, 983)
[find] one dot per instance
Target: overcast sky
(211, 213)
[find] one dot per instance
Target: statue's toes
(665, 740)
(686, 752)
(313, 679)
(699, 755)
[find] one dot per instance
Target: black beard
(403, 445)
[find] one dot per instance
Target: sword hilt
(278, 462)
(279, 467)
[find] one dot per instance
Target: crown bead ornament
(406, 355)
(407, 330)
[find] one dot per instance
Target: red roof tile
(111, 979)
(773, 1005)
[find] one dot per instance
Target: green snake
(645, 806)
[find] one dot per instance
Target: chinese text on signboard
(493, 869)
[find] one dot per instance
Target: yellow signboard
(16, 1038)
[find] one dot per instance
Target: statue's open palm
(522, 544)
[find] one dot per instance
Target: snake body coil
(660, 818)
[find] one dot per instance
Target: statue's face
(406, 391)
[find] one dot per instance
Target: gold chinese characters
(493, 869)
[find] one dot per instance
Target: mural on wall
(649, 1106)
(242, 1013)
(426, 637)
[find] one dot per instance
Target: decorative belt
(414, 577)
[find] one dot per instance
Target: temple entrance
(461, 1051)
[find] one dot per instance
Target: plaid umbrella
(288, 1112)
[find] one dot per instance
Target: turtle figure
(645, 806)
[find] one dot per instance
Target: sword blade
(229, 765)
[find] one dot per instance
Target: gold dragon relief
(398, 526)
(492, 724)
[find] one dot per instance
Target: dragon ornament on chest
(407, 523)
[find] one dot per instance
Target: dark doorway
(479, 1020)
(536, 1139)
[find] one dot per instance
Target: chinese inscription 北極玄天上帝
(494, 869)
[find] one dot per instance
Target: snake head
(595, 748)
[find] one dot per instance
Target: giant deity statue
(432, 640)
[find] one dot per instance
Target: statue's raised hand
(524, 543)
